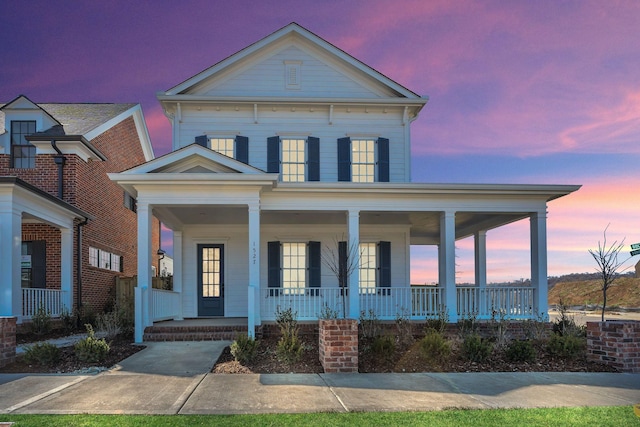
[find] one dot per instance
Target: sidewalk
(174, 378)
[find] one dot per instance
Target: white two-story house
(291, 150)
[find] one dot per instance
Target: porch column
(538, 222)
(353, 229)
(10, 250)
(177, 269)
(66, 267)
(480, 254)
(253, 295)
(143, 304)
(447, 263)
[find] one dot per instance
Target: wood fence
(125, 288)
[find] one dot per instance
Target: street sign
(635, 246)
(634, 253)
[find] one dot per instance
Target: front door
(210, 280)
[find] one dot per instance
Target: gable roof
(293, 29)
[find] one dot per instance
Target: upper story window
(363, 160)
(236, 148)
(223, 146)
(296, 159)
(23, 154)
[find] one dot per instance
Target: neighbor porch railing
(165, 305)
(51, 300)
(493, 301)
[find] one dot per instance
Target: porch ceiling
(424, 226)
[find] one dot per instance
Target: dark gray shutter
(313, 159)
(273, 261)
(344, 159)
(202, 140)
(384, 249)
(121, 264)
(242, 149)
(39, 264)
(383, 160)
(342, 264)
(315, 264)
(273, 154)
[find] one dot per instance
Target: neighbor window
(368, 267)
(294, 267)
(105, 260)
(23, 154)
(223, 146)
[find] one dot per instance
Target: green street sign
(635, 246)
(634, 253)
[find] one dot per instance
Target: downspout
(59, 160)
(79, 265)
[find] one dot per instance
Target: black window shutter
(273, 261)
(273, 154)
(344, 159)
(121, 264)
(39, 264)
(385, 264)
(383, 160)
(202, 140)
(315, 264)
(342, 264)
(313, 159)
(242, 149)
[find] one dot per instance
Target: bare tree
(342, 259)
(608, 265)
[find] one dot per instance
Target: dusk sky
(540, 92)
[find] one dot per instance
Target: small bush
(327, 312)
(289, 348)
(41, 321)
(108, 324)
(87, 314)
(566, 346)
(521, 351)
(91, 349)
(45, 354)
(476, 349)
(404, 327)
(243, 349)
(566, 324)
(68, 320)
(384, 347)
(369, 324)
(468, 325)
(435, 347)
(438, 324)
(536, 329)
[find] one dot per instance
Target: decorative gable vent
(292, 74)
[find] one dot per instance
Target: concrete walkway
(174, 378)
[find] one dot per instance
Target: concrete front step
(193, 333)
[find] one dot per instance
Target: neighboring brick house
(82, 143)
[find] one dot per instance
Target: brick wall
(615, 343)
(338, 345)
(7, 340)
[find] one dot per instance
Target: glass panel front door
(210, 280)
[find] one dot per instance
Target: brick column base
(615, 343)
(7, 340)
(338, 345)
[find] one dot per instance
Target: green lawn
(615, 416)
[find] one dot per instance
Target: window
(362, 160)
(368, 268)
(23, 154)
(294, 266)
(105, 260)
(293, 164)
(129, 202)
(296, 159)
(222, 146)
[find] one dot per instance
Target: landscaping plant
(521, 351)
(384, 347)
(90, 349)
(41, 321)
(243, 348)
(434, 347)
(289, 348)
(476, 349)
(45, 354)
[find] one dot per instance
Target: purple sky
(520, 91)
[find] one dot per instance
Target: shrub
(369, 324)
(475, 348)
(87, 314)
(438, 324)
(243, 349)
(536, 329)
(68, 321)
(384, 346)
(41, 321)
(499, 328)
(327, 312)
(42, 353)
(467, 325)
(567, 346)
(289, 348)
(566, 324)
(404, 328)
(521, 351)
(90, 349)
(108, 324)
(435, 347)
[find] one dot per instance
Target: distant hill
(587, 291)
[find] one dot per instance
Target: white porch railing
(512, 302)
(389, 303)
(49, 299)
(309, 303)
(165, 305)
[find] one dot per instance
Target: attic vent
(292, 74)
